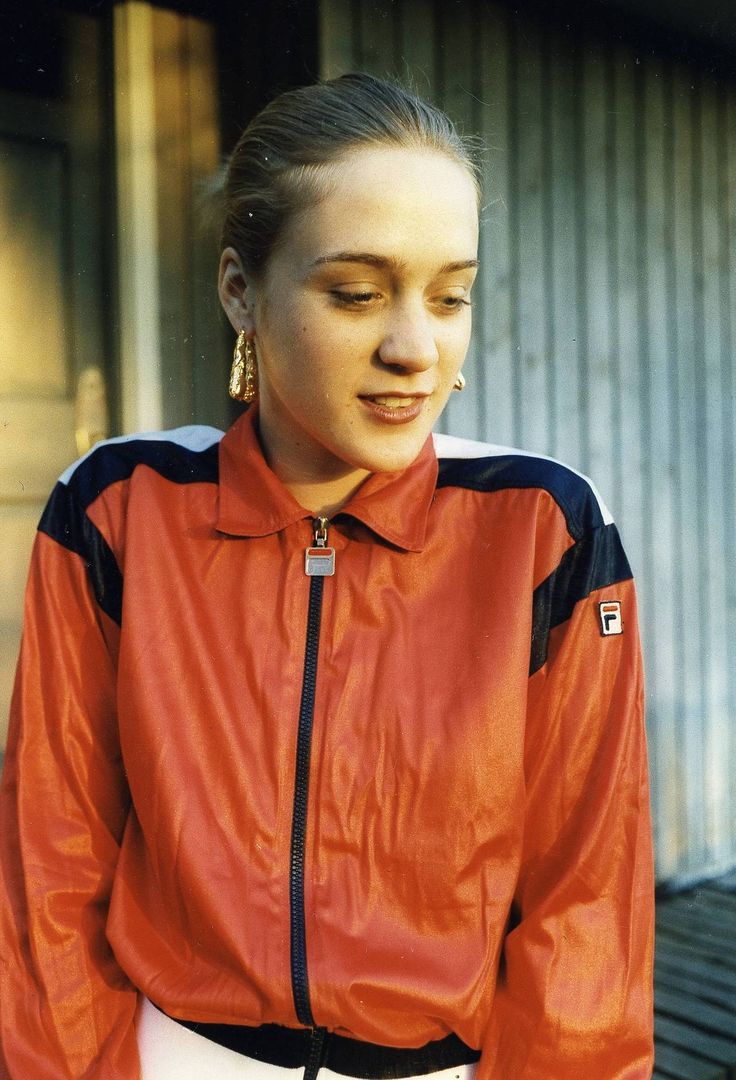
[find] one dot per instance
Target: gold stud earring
(244, 372)
(459, 383)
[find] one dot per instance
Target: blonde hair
(278, 165)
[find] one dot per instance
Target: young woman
(327, 745)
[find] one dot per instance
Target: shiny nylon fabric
(478, 855)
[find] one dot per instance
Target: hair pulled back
(277, 166)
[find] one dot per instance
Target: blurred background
(605, 315)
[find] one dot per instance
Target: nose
(409, 341)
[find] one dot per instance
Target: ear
(236, 296)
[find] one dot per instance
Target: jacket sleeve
(67, 1008)
(574, 997)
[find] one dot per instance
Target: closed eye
(357, 299)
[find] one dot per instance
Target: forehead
(406, 204)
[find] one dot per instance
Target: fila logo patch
(611, 621)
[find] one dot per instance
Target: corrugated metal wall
(604, 332)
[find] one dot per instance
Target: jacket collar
(254, 502)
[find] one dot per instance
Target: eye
(357, 299)
(453, 303)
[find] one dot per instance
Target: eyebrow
(383, 262)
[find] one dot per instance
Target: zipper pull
(319, 560)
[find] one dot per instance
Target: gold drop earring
(459, 383)
(244, 372)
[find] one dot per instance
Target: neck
(324, 499)
(321, 484)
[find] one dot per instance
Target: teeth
(395, 402)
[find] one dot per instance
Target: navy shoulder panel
(184, 456)
(66, 521)
(593, 562)
(571, 491)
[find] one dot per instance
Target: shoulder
(181, 455)
(80, 517)
(486, 467)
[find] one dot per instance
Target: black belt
(314, 1048)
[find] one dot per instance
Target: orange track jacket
(401, 804)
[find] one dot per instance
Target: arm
(574, 997)
(66, 1007)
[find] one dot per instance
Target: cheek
(335, 355)
(307, 368)
(458, 339)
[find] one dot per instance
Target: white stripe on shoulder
(450, 446)
(193, 437)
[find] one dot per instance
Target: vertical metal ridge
(726, 255)
(697, 825)
(514, 219)
(612, 182)
(548, 222)
(581, 312)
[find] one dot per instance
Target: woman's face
(362, 319)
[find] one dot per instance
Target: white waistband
(169, 1051)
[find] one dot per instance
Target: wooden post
(167, 141)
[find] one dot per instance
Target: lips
(394, 408)
(389, 402)
(394, 400)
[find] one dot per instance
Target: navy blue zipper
(299, 976)
(299, 972)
